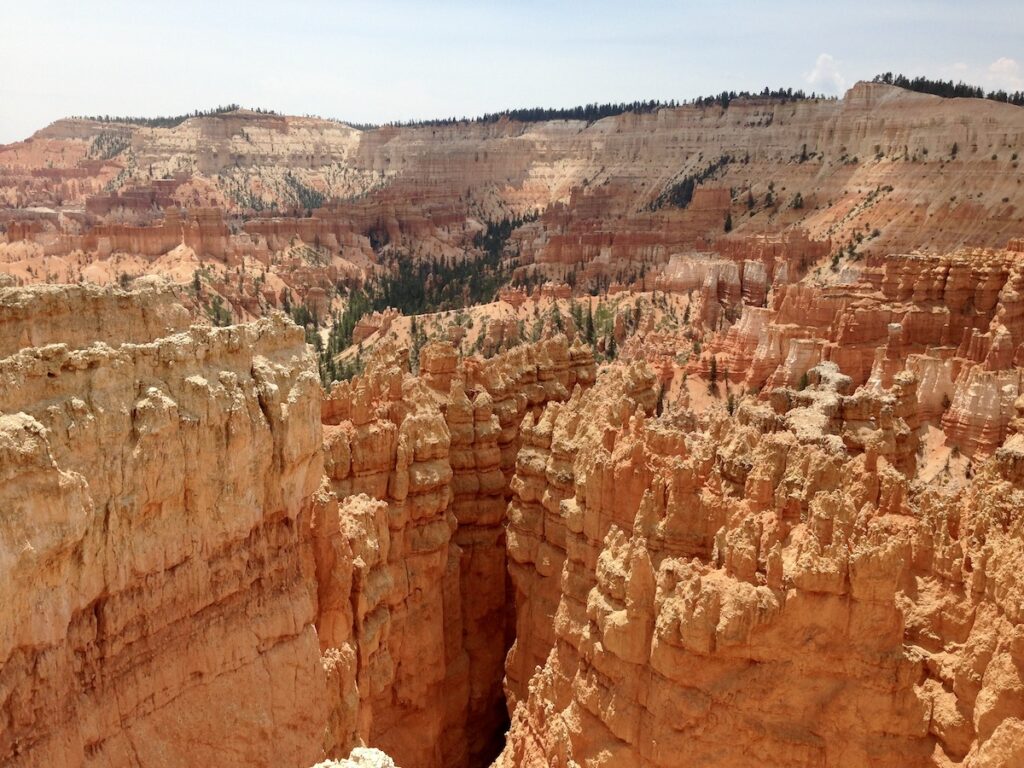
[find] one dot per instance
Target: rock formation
(750, 496)
(155, 585)
(410, 548)
(756, 590)
(799, 179)
(954, 320)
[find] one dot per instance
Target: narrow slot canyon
(419, 473)
(268, 571)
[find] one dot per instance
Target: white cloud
(1002, 74)
(1005, 73)
(825, 77)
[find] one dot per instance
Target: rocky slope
(954, 320)
(265, 575)
(410, 545)
(205, 560)
(756, 499)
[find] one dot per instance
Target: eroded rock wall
(207, 562)
(753, 589)
(414, 616)
(955, 321)
(154, 492)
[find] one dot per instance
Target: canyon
(718, 477)
(266, 205)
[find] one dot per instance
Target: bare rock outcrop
(79, 316)
(153, 576)
(744, 592)
(409, 539)
(206, 560)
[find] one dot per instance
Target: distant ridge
(947, 89)
(169, 122)
(587, 112)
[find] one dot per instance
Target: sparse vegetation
(220, 315)
(305, 197)
(681, 193)
(108, 145)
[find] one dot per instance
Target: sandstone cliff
(875, 167)
(205, 559)
(204, 562)
(414, 618)
(158, 609)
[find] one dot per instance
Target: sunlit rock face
(415, 619)
(769, 514)
(767, 584)
(243, 189)
(155, 490)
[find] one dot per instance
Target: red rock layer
(955, 320)
(880, 158)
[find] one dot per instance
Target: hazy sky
(388, 60)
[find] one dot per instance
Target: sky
(397, 59)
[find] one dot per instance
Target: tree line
(169, 122)
(948, 89)
(724, 98)
(593, 112)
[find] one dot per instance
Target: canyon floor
(690, 436)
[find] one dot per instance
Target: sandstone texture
(758, 591)
(206, 559)
(297, 204)
(157, 608)
(414, 619)
(952, 320)
(666, 495)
